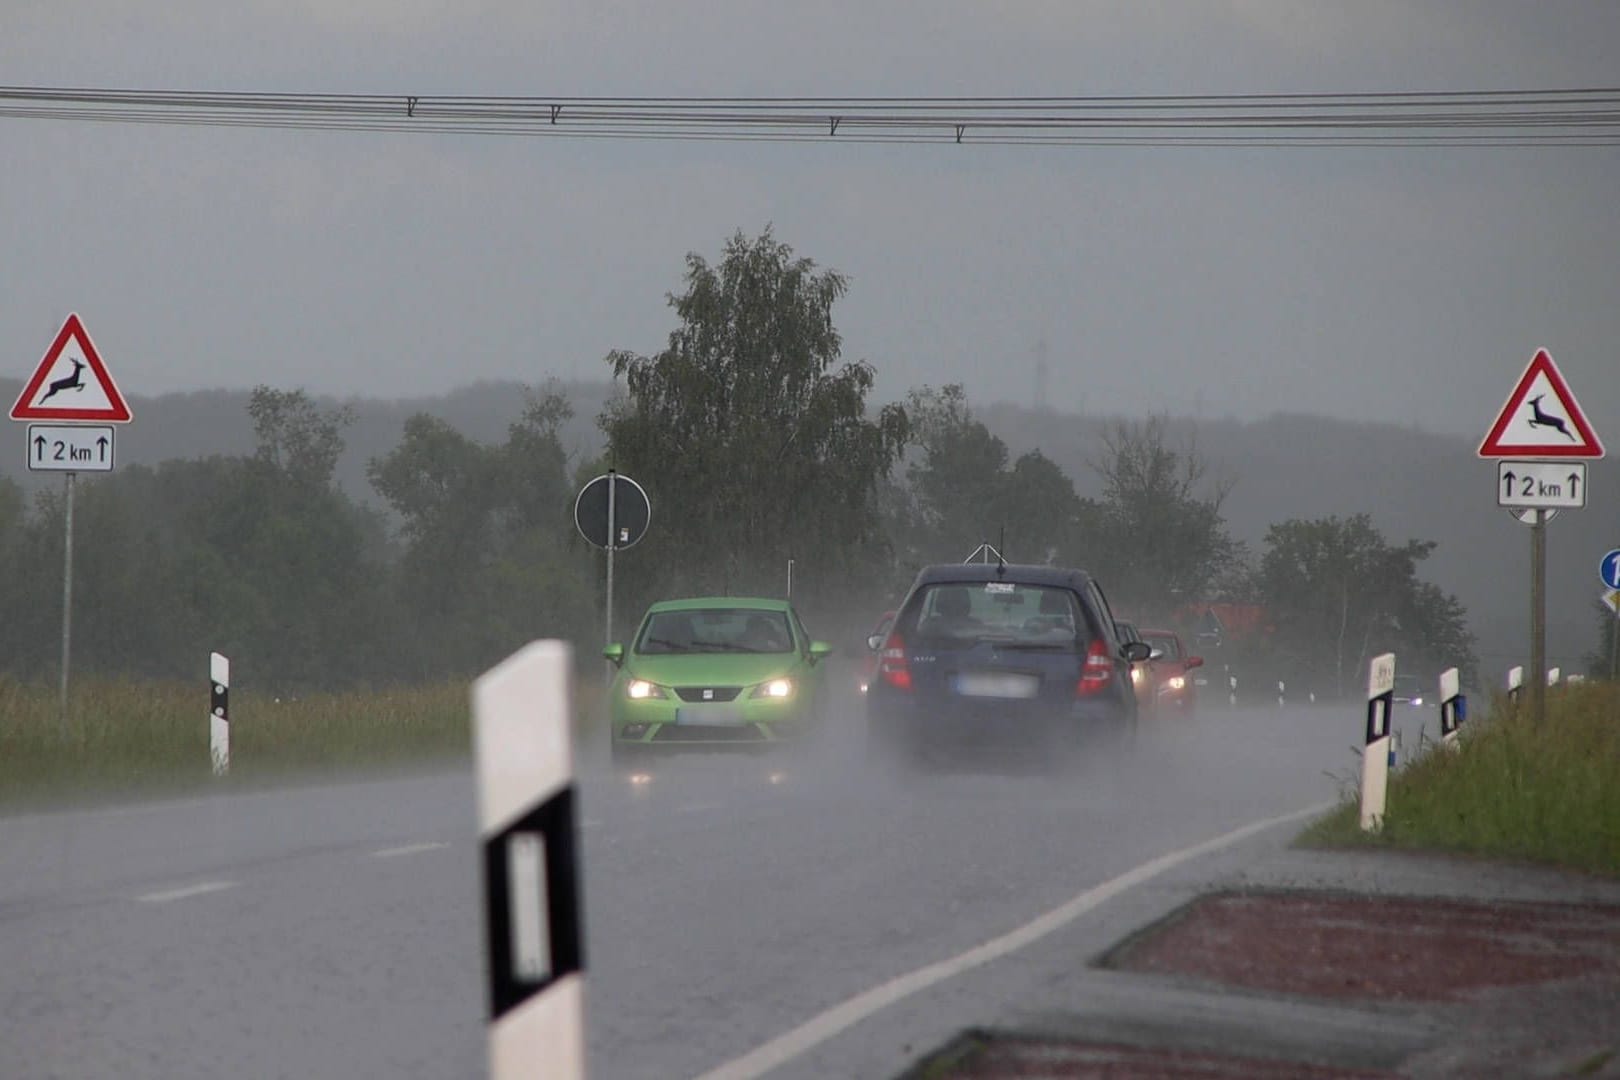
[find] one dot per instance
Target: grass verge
(129, 738)
(1547, 793)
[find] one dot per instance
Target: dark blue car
(991, 657)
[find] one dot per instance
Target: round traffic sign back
(631, 512)
(1609, 569)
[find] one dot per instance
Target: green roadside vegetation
(1547, 793)
(131, 739)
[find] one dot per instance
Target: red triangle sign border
(1588, 444)
(117, 410)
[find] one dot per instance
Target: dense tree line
(758, 444)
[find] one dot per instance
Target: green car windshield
(715, 630)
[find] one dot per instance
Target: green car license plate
(710, 715)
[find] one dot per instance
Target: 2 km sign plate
(1541, 485)
(71, 448)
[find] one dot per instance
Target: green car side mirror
(819, 650)
(614, 652)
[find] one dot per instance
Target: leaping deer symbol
(1541, 419)
(74, 381)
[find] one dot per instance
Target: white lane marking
(697, 807)
(184, 891)
(818, 1029)
(409, 849)
(590, 823)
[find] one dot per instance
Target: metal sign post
(1609, 574)
(1538, 617)
(611, 512)
(612, 545)
(1540, 439)
(1614, 648)
(67, 605)
(73, 387)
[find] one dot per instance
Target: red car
(1170, 673)
(866, 665)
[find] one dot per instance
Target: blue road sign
(1609, 569)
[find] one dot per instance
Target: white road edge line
(818, 1029)
(188, 890)
(409, 849)
(698, 807)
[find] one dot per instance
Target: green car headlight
(641, 689)
(775, 688)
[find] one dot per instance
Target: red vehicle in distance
(1169, 673)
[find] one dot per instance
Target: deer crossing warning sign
(71, 383)
(1541, 418)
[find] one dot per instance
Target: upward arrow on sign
(1541, 418)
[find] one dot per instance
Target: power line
(1561, 117)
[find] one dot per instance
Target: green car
(713, 672)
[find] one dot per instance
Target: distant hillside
(1413, 483)
(207, 422)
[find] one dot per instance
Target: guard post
(219, 712)
(1376, 748)
(1453, 707)
(534, 936)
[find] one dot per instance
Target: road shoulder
(1333, 963)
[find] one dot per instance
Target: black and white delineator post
(523, 747)
(1453, 707)
(219, 712)
(1515, 683)
(1375, 751)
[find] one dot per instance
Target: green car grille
(715, 693)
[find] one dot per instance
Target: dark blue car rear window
(999, 611)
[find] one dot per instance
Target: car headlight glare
(1177, 682)
(775, 688)
(1136, 675)
(641, 689)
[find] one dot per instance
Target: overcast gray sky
(1407, 285)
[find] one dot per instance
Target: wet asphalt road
(335, 931)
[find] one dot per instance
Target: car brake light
(892, 666)
(1098, 670)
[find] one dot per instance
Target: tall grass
(124, 737)
(1544, 793)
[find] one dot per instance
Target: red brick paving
(1378, 948)
(1002, 1058)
